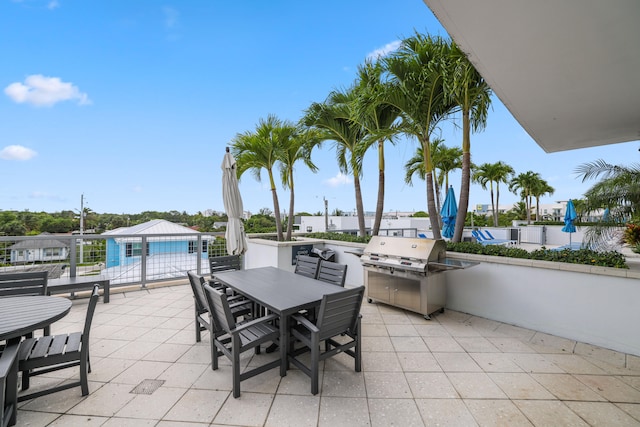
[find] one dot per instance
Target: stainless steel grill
(406, 272)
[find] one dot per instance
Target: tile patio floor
(455, 370)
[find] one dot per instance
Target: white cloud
(43, 91)
(338, 180)
(53, 4)
(171, 16)
(17, 152)
(385, 50)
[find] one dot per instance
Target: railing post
(199, 254)
(143, 263)
(72, 257)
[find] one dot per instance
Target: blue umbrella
(448, 213)
(569, 216)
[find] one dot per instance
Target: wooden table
(282, 292)
(24, 314)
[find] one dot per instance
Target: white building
(316, 224)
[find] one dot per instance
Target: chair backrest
(484, 236)
(220, 311)
(196, 281)
(8, 389)
(93, 301)
(332, 272)
(489, 235)
(23, 283)
(307, 266)
(218, 264)
(478, 237)
(339, 312)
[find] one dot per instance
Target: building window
(205, 246)
(309, 229)
(51, 252)
(135, 249)
(192, 246)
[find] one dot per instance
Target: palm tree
(524, 183)
(465, 87)
(334, 120)
(294, 149)
(259, 150)
(519, 210)
(377, 118)
(490, 173)
(618, 190)
(416, 89)
(445, 160)
(539, 189)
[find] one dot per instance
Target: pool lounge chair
(482, 239)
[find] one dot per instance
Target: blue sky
(131, 103)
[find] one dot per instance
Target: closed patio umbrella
(448, 213)
(569, 216)
(236, 240)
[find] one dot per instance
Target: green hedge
(582, 256)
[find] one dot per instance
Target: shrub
(632, 234)
(582, 256)
(342, 237)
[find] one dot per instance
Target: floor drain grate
(147, 387)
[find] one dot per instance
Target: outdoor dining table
(281, 292)
(21, 315)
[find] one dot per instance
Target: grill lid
(403, 252)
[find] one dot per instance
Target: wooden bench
(78, 283)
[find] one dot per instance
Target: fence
(121, 257)
(533, 234)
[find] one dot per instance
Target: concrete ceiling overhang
(568, 70)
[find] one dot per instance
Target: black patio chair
(238, 337)
(202, 317)
(45, 354)
(307, 266)
(25, 283)
(339, 314)
(332, 272)
(8, 384)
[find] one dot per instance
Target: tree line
(26, 223)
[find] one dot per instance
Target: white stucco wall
(580, 305)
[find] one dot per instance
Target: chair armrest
(9, 354)
(254, 322)
(305, 322)
(239, 303)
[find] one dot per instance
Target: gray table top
(281, 291)
(23, 314)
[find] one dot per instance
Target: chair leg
(25, 380)
(236, 366)
(315, 361)
(214, 353)
(84, 382)
(198, 337)
(358, 350)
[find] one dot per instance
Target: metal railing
(125, 258)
